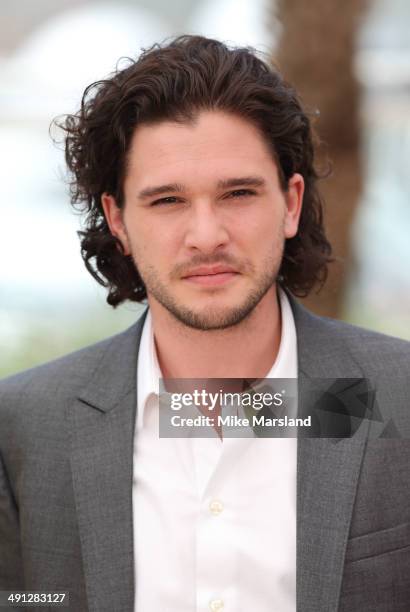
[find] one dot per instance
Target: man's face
(205, 218)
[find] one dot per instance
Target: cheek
(260, 232)
(153, 244)
(138, 229)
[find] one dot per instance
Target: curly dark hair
(173, 82)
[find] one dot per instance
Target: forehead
(215, 140)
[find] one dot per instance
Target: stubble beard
(214, 318)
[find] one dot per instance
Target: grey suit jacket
(66, 451)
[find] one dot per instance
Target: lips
(210, 271)
(211, 275)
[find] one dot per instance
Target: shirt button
(216, 507)
(216, 604)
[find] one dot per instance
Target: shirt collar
(149, 372)
(286, 362)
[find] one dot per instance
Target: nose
(206, 231)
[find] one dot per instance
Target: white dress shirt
(214, 521)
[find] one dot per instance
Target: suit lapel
(327, 473)
(103, 421)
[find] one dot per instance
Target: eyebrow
(150, 192)
(248, 181)
(241, 181)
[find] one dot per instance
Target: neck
(246, 350)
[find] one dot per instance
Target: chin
(209, 319)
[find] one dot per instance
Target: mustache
(203, 260)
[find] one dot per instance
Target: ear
(294, 199)
(113, 215)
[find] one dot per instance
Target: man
(195, 167)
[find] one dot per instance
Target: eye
(241, 193)
(165, 201)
